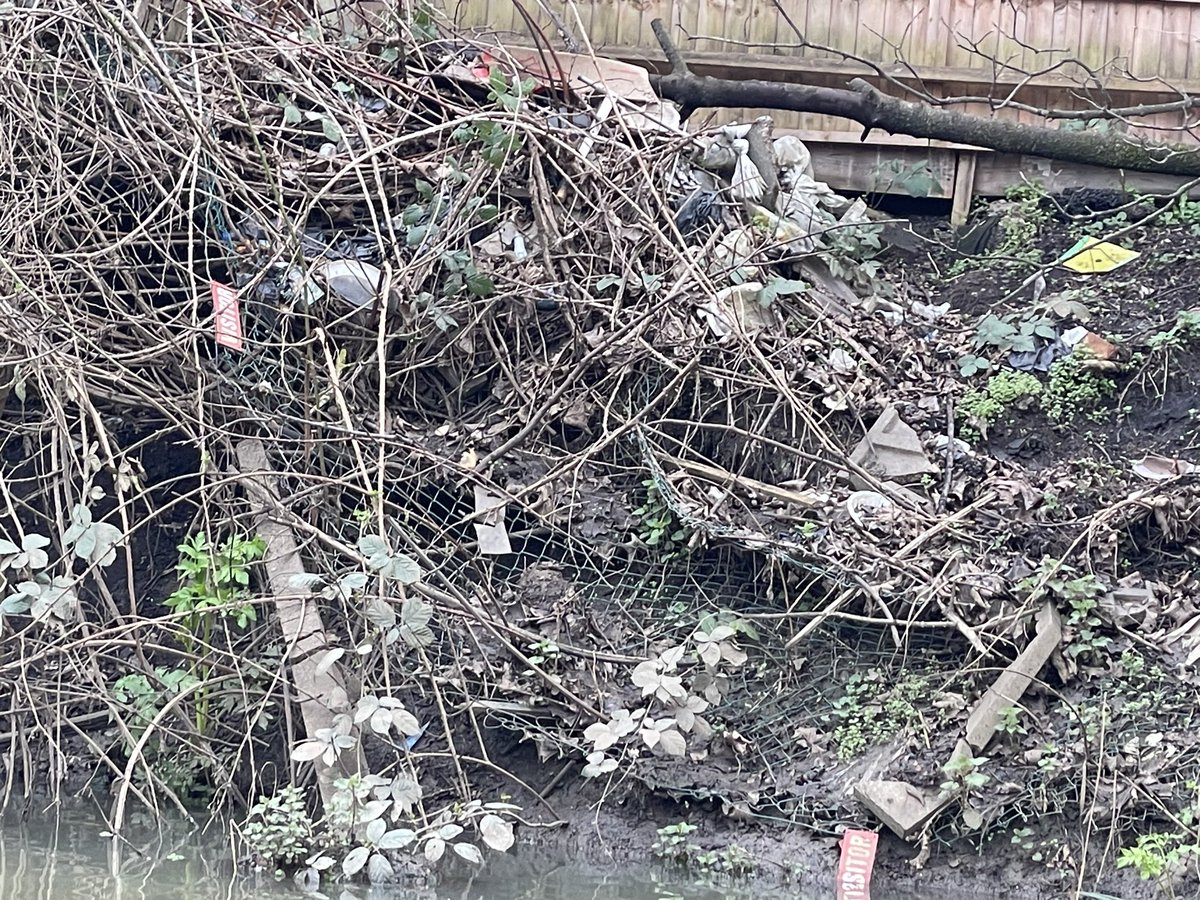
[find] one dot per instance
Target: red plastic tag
(227, 324)
(854, 870)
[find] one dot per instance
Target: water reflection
(60, 855)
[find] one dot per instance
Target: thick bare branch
(870, 107)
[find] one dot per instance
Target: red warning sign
(854, 870)
(228, 316)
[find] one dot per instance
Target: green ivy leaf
(332, 130)
(480, 285)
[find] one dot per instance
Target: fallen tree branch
(873, 109)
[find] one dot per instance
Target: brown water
(63, 856)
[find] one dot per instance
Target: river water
(63, 856)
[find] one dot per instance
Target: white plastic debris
(930, 312)
(842, 362)
(803, 188)
(1073, 336)
(748, 183)
(353, 280)
(1161, 468)
(863, 505)
(737, 131)
(792, 157)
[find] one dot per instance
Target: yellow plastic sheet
(1091, 255)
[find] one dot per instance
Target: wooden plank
(964, 188)
(967, 24)
(816, 25)
(997, 171)
(1193, 45)
(1122, 24)
(1067, 21)
(320, 692)
(900, 26)
(849, 167)
(1148, 52)
(1092, 48)
(1176, 41)
(764, 29)
(929, 47)
(1036, 32)
(871, 28)
(843, 27)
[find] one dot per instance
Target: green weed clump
(1005, 391)
(1073, 390)
(869, 713)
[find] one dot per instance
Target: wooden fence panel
(1092, 52)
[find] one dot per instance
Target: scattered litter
(586, 75)
(842, 362)
(737, 308)
(862, 505)
(856, 864)
(1097, 347)
(1130, 607)
(227, 321)
(1073, 336)
(1007, 690)
(1039, 359)
(892, 450)
(1162, 468)
(930, 312)
(1091, 255)
(490, 531)
(902, 807)
(355, 281)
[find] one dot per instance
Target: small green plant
(278, 830)
(1013, 333)
(1185, 330)
(509, 92)
(1182, 212)
(969, 365)
(657, 526)
(916, 180)
(180, 768)
(1010, 722)
(851, 255)
(870, 712)
(1081, 593)
(542, 652)
(732, 860)
(497, 142)
(1025, 212)
(1049, 758)
(360, 827)
(1159, 856)
(145, 699)
(214, 583)
(1107, 225)
(1132, 663)
(1039, 851)
(1073, 390)
(1004, 392)
(214, 580)
(673, 843)
(963, 775)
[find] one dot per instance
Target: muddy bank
(482, 487)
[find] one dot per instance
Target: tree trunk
(874, 109)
